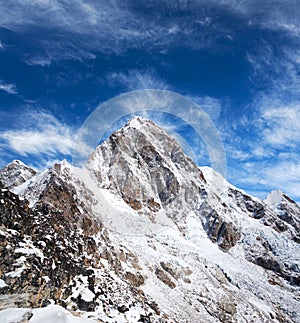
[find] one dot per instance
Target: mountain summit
(81, 239)
(146, 167)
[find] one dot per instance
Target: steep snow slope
(144, 235)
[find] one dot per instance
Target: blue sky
(239, 60)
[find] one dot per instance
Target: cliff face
(146, 167)
(144, 235)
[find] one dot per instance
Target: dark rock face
(284, 217)
(219, 231)
(268, 262)
(61, 195)
(44, 251)
(51, 243)
(84, 305)
(288, 211)
(122, 309)
(135, 279)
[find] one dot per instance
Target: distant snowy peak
(286, 209)
(274, 197)
(15, 173)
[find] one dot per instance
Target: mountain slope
(144, 235)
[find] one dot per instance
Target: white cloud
(281, 126)
(238, 154)
(270, 175)
(9, 88)
(274, 15)
(39, 61)
(1, 45)
(276, 123)
(265, 152)
(149, 79)
(42, 135)
(261, 152)
(279, 67)
(137, 80)
(86, 27)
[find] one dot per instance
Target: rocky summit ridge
(81, 239)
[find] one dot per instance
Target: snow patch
(13, 315)
(2, 283)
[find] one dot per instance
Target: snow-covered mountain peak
(62, 247)
(142, 131)
(16, 173)
(146, 167)
(138, 121)
(16, 162)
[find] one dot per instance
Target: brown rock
(164, 277)
(135, 279)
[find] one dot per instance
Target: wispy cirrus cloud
(8, 87)
(267, 156)
(39, 61)
(104, 27)
(132, 80)
(278, 68)
(284, 15)
(269, 151)
(268, 175)
(39, 136)
(114, 27)
(280, 126)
